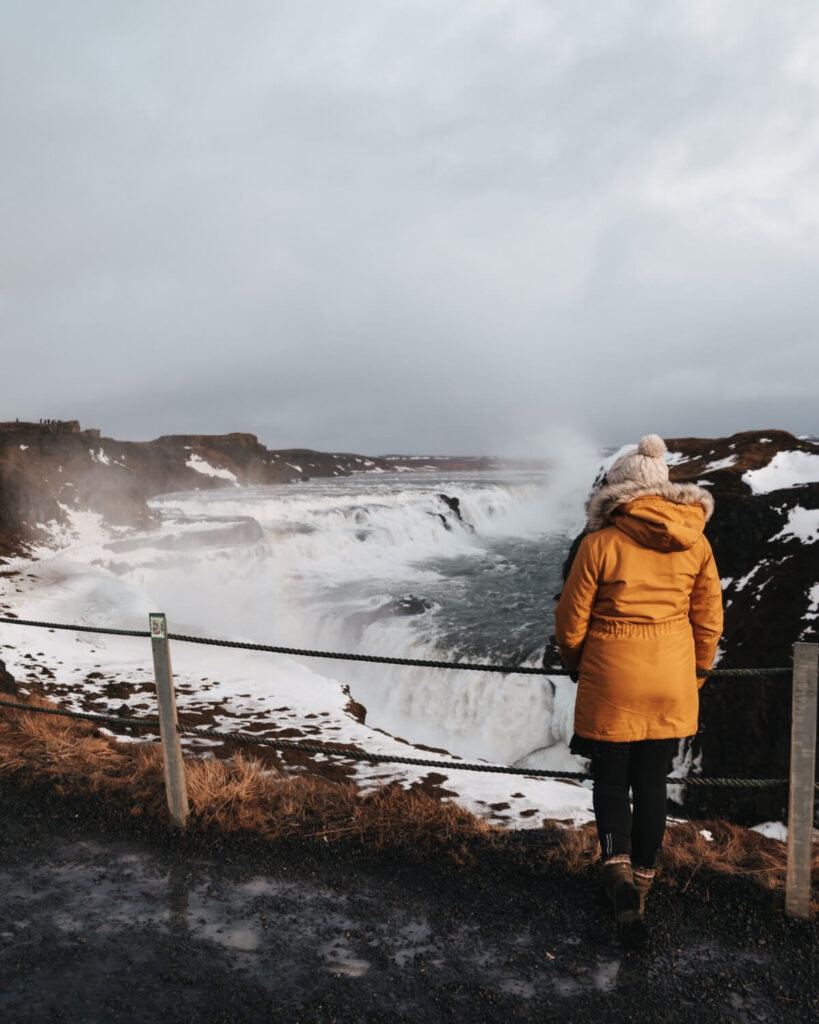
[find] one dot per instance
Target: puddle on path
(275, 927)
(411, 940)
(340, 960)
(605, 977)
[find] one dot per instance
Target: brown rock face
(46, 468)
(7, 682)
(767, 578)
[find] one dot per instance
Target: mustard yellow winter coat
(641, 612)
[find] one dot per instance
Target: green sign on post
(159, 629)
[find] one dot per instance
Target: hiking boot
(617, 870)
(625, 898)
(643, 880)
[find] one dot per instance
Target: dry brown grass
(77, 758)
(242, 795)
(733, 849)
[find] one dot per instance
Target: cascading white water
(396, 567)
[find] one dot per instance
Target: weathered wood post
(802, 778)
(171, 747)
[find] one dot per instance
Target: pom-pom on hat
(645, 466)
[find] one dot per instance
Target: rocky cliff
(46, 468)
(765, 536)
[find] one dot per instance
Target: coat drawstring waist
(607, 627)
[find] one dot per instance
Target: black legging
(643, 769)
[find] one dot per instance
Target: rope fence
(74, 627)
(375, 659)
(353, 754)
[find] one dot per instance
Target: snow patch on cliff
(786, 469)
(742, 583)
(725, 463)
(813, 607)
(676, 458)
(802, 524)
(198, 463)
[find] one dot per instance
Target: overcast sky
(386, 226)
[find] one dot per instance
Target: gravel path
(104, 918)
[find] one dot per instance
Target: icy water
(445, 566)
(364, 556)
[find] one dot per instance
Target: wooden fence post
(802, 779)
(171, 747)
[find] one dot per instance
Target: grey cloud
(418, 226)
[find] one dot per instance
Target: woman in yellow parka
(637, 625)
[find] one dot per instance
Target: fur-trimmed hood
(605, 501)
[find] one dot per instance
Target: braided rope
(79, 629)
(748, 673)
(375, 659)
(140, 723)
(369, 658)
(363, 755)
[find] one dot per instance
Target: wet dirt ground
(106, 918)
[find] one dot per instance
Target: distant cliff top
(54, 465)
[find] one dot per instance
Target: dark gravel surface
(104, 918)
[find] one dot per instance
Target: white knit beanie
(645, 466)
